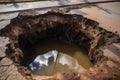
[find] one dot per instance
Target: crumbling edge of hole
(23, 24)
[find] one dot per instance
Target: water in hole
(58, 56)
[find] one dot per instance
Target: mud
(26, 31)
(61, 56)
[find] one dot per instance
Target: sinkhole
(52, 56)
(54, 42)
(55, 50)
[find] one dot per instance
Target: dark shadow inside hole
(65, 33)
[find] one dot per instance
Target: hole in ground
(26, 32)
(51, 56)
(55, 42)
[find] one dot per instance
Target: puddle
(57, 56)
(31, 49)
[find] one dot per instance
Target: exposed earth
(25, 31)
(101, 42)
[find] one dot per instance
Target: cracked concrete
(8, 70)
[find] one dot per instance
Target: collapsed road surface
(25, 31)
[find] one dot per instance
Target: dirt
(25, 31)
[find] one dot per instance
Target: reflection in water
(58, 57)
(52, 62)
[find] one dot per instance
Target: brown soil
(25, 31)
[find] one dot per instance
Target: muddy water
(58, 56)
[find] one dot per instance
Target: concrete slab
(42, 4)
(108, 15)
